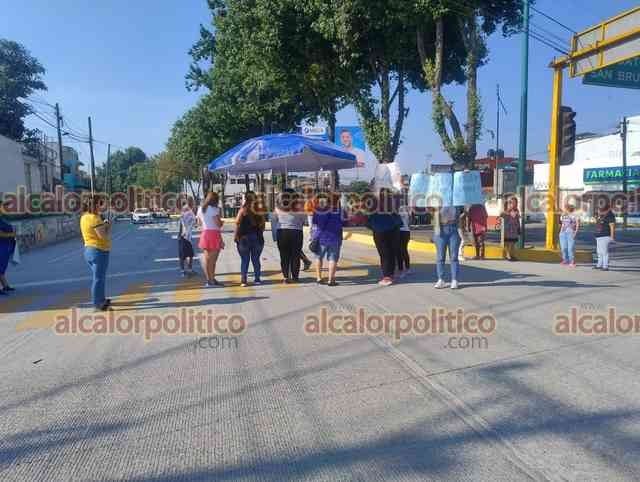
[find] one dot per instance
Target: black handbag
(314, 246)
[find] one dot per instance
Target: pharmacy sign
(610, 174)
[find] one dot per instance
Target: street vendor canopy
(283, 153)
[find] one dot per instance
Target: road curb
(492, 251)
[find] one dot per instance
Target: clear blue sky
(123, 63)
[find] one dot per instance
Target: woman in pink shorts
(211, 237)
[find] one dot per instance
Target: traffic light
(567, 135)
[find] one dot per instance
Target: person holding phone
(96, 234)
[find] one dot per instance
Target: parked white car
(141, 216)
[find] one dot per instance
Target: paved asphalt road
(282, 405)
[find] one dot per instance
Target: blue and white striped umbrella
(283, 153)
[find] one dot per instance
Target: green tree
(267, 60)
(244, 79)
(203, 133)
(376, 39)
(169, 177)
(470, 22)
(121, 164)
(143, 174)
(20, 76)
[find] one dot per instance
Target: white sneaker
(440, 284)
(454, 285)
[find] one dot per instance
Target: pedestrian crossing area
(163, 292)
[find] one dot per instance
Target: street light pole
(522, 160)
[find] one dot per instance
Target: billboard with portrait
(352, 139)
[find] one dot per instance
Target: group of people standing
(386, 217)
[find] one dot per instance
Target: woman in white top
(211, 237)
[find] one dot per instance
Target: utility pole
(107, 181)
(107, 177)
(625, 187)
(498, 123)
(500, 107)
(58, 124)
(93, 163)
(522, 160)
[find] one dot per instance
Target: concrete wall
(39, 232)
(12, 165)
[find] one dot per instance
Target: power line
(548, 33)
(464, 8)
(44, 120)
(546, 42)
(549, 17)
(41, 102)
(555, 45)
(76, 131)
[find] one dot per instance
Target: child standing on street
(185, 240)
(405, 236)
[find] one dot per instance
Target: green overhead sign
(625, 74)
(611, 174)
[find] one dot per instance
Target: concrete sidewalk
(422, 241)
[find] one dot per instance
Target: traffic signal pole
(554, 160)
(522, 160)
(617, 38)
(625, 184)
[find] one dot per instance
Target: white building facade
(18, 169)
(598, 164)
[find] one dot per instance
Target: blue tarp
(283, 153)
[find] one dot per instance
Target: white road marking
(78, 252)
(88, 278)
